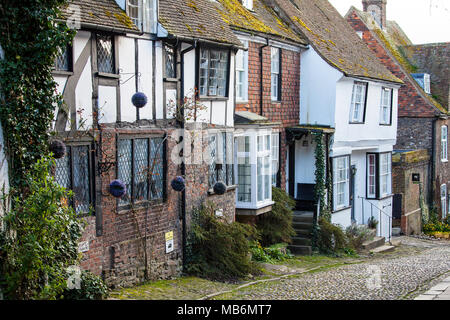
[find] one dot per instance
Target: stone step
(303, 218)
(302, 226)
(301, 241)
(301, 250)
(303, 233)
(372, 244)
(382, 249)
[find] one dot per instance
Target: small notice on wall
(169, 242)
(83, 246)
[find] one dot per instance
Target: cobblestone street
(410, 270)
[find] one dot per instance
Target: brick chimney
(377, 8)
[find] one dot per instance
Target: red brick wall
(287, 111)
(442, 169)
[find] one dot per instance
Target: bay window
(341, 182)
(214, 65)
(358, 105)
(254, 169)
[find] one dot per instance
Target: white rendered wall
(317, 90)
(127, 67)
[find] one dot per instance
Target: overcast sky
(424, 21)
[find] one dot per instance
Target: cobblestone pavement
(413, 268)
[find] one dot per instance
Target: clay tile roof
(262, 19)
(334, 39)
(105, 14)
(195, 19)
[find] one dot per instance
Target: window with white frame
(242, 74)
(264, 175)
(244, 169)
(358, 105)
(275, 158)
(386, 106)
(341, 182)
(143, 14)
(213, 72)
(254, 169)
(444, 200)
(276, 74)
(385, 174)
(371, 176)
(248, 4)
(444, 143)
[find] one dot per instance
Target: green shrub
(372, 223)
(40, 238)
(436, 227)
(271, 254)
(276, 226)
(217, 249)
(357, 235)
(91, 288)
(331, 239)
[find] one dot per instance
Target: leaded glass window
(74, 173)
(213, 72)
(140, 165)
(221, 158)
(170, 61)
(63, 61)
(105, 54)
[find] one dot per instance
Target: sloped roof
(195, 19)
(394, 43)
(101, 13)
(262, 19)
(334, 39)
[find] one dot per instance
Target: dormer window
(248, 4)
(143, 13)
(423, 79)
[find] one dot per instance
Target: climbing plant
(323, 181)
(30, 38)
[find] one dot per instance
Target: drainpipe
(261, 77)
(432, 164)
(183, 166)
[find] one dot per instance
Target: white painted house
(351, 98)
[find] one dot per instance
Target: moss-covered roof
(103, 13)
(334, 39)
(262, 19)
(195, 19)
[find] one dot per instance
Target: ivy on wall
(30, 38)
(323, 181)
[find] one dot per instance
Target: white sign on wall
(169, 242)
(83, 246)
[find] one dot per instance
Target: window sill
(171, 80)
(138, 205)
(229, 188)
(62, 73)
(356, 122)
(108, 75)
(341, 209)
(444, 161)
(386, 124)
(206, 98)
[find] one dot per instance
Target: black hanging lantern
(139, 99)
(220, 188)
(178, 184)
(58, 148)
(117, 189)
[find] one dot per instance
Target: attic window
(248, 4)
(423, 79)
(143, 14)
